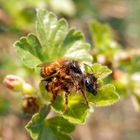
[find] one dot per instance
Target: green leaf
(103, 40)
(77, 111)
(106, 95)
(98, 70)
(54, 41)
(101, 33)
(74, 46)
(46, 133)
(63, 126)
(29, 50)
(51, 32)
(55, 128)
(58, 41)
(37, 122)
(44, 22)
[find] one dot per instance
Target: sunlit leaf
(106, 95)
(29, 50)
(98, 70)
(54, 41)
(74, 46)
(58, 41)
(77, 110)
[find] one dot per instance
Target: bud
(101, 59)
(117, 74)
(125, 56)
(30, 105)
(28, 89)
(13, 82)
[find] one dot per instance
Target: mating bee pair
(65, 76)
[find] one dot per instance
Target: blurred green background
(17, 18)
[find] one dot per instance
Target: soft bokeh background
(117, 122)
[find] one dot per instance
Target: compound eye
(74, 66)
(90, 86)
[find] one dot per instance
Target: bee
(66, 76)
(63, 66)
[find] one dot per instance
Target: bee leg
(66, 101)
(84, 95)
(55, 93)
(49, 77)
(53, 98)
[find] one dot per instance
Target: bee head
(90, 83)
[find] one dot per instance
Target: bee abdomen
(49, 70)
